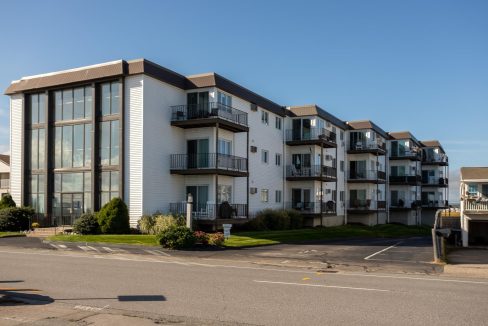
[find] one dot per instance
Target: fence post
(189, 208)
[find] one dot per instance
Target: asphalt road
(239, 292)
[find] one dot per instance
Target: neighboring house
(474, 205)
(151, 136)
(4, 174)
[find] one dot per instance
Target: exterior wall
(16, 147)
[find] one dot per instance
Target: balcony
(314, 172)
(209, 115)
(358, 147)
(476, 206)
(365, 206)
(435, 204)
(410, 180)
(208, 163)
(366, 176)
(435, 159)
(435, 182)
(4, 183)
(212, 212)
(313, 136)
(406, 155)
(313, 208)
(404, 205)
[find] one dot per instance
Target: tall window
(224, 193)
(72, 146)
(264, 117)
(109, 186)
(109, 142)
(264, 195)
(225, 99)
(225, 147)
(73, 104)
(36, 192)
(278, 196)
(278, 123)
(110, 98)
(264, 156)
(37, 108)
(278, 159)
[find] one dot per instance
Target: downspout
(344, 174)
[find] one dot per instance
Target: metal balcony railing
(406, 154)
(405, 178)
(310, 171)
(366, 145)
(328, 207)
(4, 183)
(403, 203)
(310, 134)
(208, 110)
(435, 158)
(435, 181)
(366, 175)
(435, 203)
(366, 204)
(211, 211)
(208, 161)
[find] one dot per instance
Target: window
(341, 195)
(36, 192)
(278, 123)
(278, 196)
(225, 147)
(225, 99)
(342, 135)
(109, 142)
(72, 146)
(224, 193)
(72, 193)
(484, 190)
(278, 159)
(73, 104)
(334, 195)
(265, 117)
(472, 189)
(342, 166)
(264, 156)
(109, 186)
(37, 108)
(37, 147)
(110, 100)
(264, 195)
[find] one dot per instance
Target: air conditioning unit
(254, 107)
(253, 190)
(254, 149)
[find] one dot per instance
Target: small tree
(113, 218)
(86, 224)
(7, 201)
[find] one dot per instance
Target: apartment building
(474, 205)
(136, 130)
(4, 174)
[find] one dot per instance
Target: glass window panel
(41, 184)
(114, 148)
(42, 146)
(58, 105)
(57, 182)
(58, 136)
(113, 195)
(42, 108)
(105, 99)
(72, 182)
(105, 143)
(40, 203)
(87, 202)
(105, 183)
(67, 152)
(34, 102)
(87, 145)
(115, 98)
(34, 149)
(79, 100)
(114, 181)
(33, 201)
(78, 145)
(87, 186)
(104, 198)
(68, 104)
(88, 102)
(33, 183)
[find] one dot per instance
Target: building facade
(136, 130)
(4, 174)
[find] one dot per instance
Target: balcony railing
(211, 211)
(328, 207)
(405, 178)
(4, 183)
(310, 171)
(476, 205)
(366, 146)
(366, 175)
(366, 204)
(311, 134)
(403, 203)
(208, 161)
(435, 203)
(436, 158)
(407, 154)
(435, 181)
(208, 110)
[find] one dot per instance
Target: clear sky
(414, 65)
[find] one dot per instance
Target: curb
(467, 270)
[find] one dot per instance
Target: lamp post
(189, 208)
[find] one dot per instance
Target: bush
(86, 224)
(163, 222)
(176, 237)
(216, 239)
(113, 218)
(146, 224)
(272, 219)
(7, 201)
(35, 225)
(296, 219)
(201, 237)
(15, 218)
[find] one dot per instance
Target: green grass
(249, 239)
(130, 239)
(11, 234)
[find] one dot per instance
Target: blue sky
(407, 65)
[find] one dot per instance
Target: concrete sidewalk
(470, 262)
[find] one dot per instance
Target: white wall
(16, 147)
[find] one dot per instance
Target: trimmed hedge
(113, 218)
(15, 218)
(272, 219)
(176, 237)
(86, 224)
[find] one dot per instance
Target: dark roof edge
(401, 134)
(374, 126)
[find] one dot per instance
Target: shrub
(201, 237)
(15, 218)
(114, 218)
(146, 224)
(296, 219)
(7, 201)
(271, 219)
(35, 225)
(86, 224)
(216, 239)
(162, 222)
(176, 237)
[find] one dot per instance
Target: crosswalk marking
(84, 248)
(108, 249)
(62, 246)
(157, 252)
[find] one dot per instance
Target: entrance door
(71, 208)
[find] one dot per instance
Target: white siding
(16, 147)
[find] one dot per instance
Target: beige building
(4, 174)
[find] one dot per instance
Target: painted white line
(84, 248)
(62, 246)
(152, 252)
(54, 246)
(323, 286)
(108, 249)
(430, 279)
(163, 253)
(93, 248)
(383, 250)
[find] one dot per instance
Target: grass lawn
(11, 234)
(249, 239)
(130, 239)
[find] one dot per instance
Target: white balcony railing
(476, 206)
